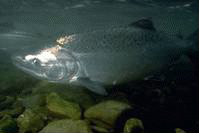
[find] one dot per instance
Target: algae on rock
(67, 126)
(106, 113)
(6, 102)
(8, 125)
(100, 129)
(133, 125)
(15, 110)
(34, 101)
(178, 130)
(59, 107)
(70, 93)
(12, 112)
(30, 121)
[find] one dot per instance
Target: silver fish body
(104, 57)
(123, 54)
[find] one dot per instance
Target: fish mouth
(26, 66)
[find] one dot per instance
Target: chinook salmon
(104, 57)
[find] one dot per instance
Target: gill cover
(65, 68)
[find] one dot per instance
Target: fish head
(54, 64)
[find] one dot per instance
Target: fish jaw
(25, 66)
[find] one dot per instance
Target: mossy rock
(12, 112)
(100, 129)
(8, 125)
(15, 110)
(2, 98)
(34, 101)
(106, 113)
(61, 108)
(133, 125)
(178, 130)
(100, 123)
(30, 121)
(67, 92)
(6, 102)
(67, 126)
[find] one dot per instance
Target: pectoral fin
(91, 85)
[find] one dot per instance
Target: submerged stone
(30, 121)
(100, 129)
(133, 125)
(178, 130)
(8, 125)
(12, 112)
(67, 126)
(2, 98)
(6, 102)
(34, 101)
(15, 110)
(69, 93)
(106, 113)
(61, 108)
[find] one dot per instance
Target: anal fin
(91, 85)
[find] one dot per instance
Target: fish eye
(36, 61)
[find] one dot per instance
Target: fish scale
(115, 40)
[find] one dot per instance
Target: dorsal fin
(144, 23)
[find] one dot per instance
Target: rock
(100, 129)
(33, 101)
(7, 102)
(8, 125)
(133, 125)
(67, 126)
(178, 130)
(12, 112)
(69, 93)
(16, 109)
(30, 121)
(101, 124)
(2, 98)
(105, 113)
(61, 108)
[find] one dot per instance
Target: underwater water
(166, 100)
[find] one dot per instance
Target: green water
(163, 103)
